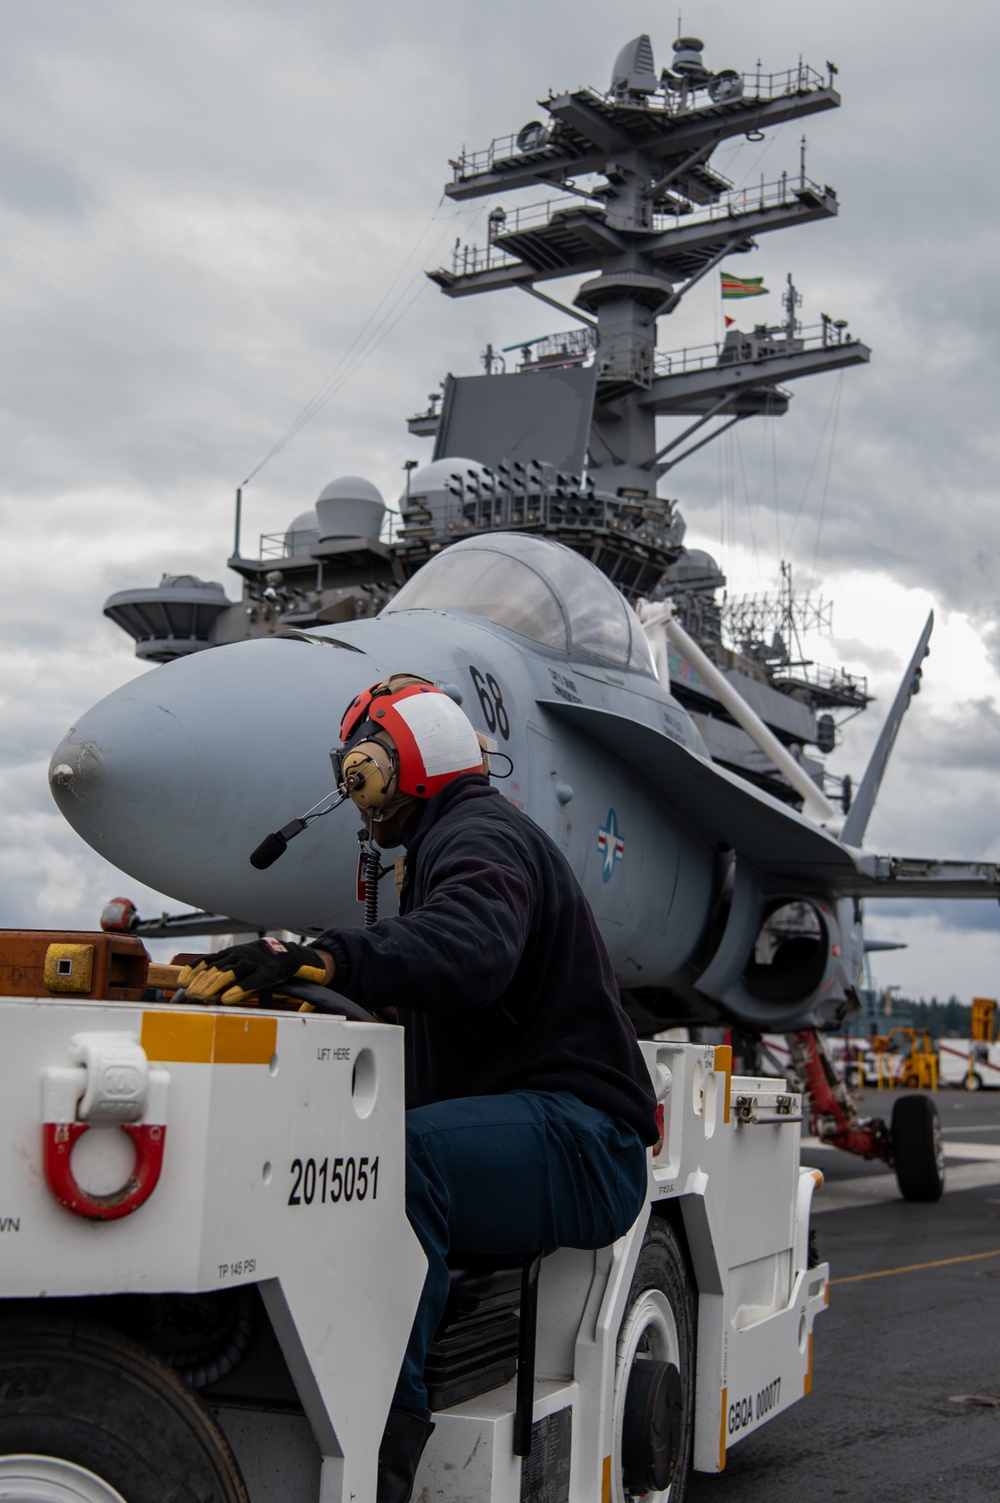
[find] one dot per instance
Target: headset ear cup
(370, 774)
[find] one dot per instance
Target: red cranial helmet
(403, 738)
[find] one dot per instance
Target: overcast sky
(201, 205)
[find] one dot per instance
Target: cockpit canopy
(539, 589)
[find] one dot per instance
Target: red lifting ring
(60, 1140)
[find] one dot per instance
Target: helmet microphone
(275, 845)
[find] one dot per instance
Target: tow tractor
(973, 1062)
(209, 1278)
(906, 1056)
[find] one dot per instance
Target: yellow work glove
(234, 975)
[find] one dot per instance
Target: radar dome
(439, 487)
(696, 570)
(302, 533)
(350, 507)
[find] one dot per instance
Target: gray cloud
(200, 206)
(38, 185)
(969, 740)
(934, 917)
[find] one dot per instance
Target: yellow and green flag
(734, 286)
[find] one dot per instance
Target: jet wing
(725, 809)
(777, 840)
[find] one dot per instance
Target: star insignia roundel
(610, 844)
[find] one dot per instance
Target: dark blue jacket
(495, 966)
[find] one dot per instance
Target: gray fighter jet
(717, 902)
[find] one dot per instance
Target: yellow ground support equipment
(917, 1067)
(983, 1010)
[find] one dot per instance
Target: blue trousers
(513, 1173)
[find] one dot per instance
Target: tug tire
(657, 1331)
(917, 1148)
(85, 1412)
(973, 1082)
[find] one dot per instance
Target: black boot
(406, 1433)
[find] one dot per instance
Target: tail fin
(864, 802)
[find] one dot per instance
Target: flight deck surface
(911, 1327)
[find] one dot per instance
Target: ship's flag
(733, 286)
(729, 321)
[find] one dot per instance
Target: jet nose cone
(127, 776)
(178, 776)
(75, 775)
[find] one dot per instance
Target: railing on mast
(758, 86)
(785, 191)
(764, 343)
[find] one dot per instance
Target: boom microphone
(267, 853)
(275, 845)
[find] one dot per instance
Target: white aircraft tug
(208, 1278)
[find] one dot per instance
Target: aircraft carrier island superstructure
(566, 445)
(520, 549)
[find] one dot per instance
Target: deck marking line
(984, 1152)
(954, 1149)
(879, 1189)
(883, 1273)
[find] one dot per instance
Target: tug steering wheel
(326, 1000)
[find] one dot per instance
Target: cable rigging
(361, 347)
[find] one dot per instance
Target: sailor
(529, 1108)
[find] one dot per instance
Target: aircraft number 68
(491, 701)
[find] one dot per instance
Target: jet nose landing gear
(918, 1148)
(912, 1145)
